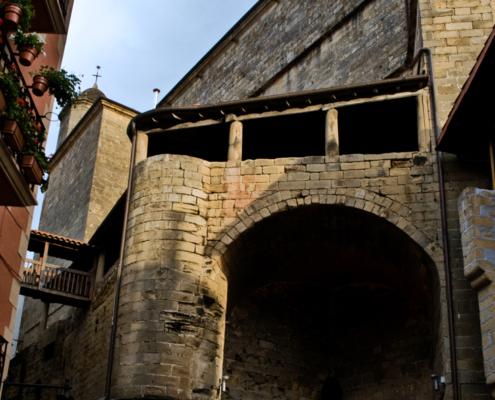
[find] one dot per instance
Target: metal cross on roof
(97, 76)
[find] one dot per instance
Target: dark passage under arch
(323, 291)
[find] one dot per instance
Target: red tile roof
(60, 239)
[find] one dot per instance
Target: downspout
(445, 238)
(132, 128)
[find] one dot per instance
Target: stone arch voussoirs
(382, 206)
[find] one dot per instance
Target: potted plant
(17, 14)
(22, 132)
(30, 46)
(14, 114)
(34, 161)
(62, 85)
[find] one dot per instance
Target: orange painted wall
(13, 222)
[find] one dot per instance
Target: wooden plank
(61, 294)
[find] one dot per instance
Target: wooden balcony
(53, 283)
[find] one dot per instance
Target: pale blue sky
(141, 45)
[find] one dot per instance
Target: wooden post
(141, 148)
(332, 133)
(235, 142)
(43, 263)
(492, 163)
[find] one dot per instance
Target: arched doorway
(330, 291)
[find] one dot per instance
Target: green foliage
(64, 86)
(29, 39)
(9, 83)
(27, 13)
(17, 110)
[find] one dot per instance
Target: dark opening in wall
(209, 142)
(297, 135)
(49, 351)
(382, 127)
(331, 389)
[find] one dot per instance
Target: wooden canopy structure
(69, 283)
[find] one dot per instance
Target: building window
(3, 354)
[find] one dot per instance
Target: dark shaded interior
(208, 142)
(330, 291)
(370, 128)
(297, 135)
(337, 244)
(381, 127)
(109, 234)
(303, 341)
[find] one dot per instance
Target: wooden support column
(235, 142)
(141, 148)
(332, 133)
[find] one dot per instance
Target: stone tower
(89, 170)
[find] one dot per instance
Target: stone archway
(293, 272)
(181, 272)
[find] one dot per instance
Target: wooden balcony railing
(56, 280)
(55, 283)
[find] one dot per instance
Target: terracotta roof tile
(61, 239)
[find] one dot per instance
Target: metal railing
(57, 280)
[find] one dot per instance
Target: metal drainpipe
(132, 127)
(445, 238)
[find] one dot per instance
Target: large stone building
(286, 231)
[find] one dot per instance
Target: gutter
(131, 131)
(445, 238)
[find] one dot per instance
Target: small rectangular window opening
(295, 135)
(208, 142)
(389, 126)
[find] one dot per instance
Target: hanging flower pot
(40, 85)
(13, 135)
(13, 14)
(31, 168)
(27, 55)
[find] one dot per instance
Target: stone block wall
(172, 303)
(455, 31)
(70, 184)
(89, 173)
(477, 215)
(285, 339)
(184, 214)
(111, 165)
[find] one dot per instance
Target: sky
(141, 46)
